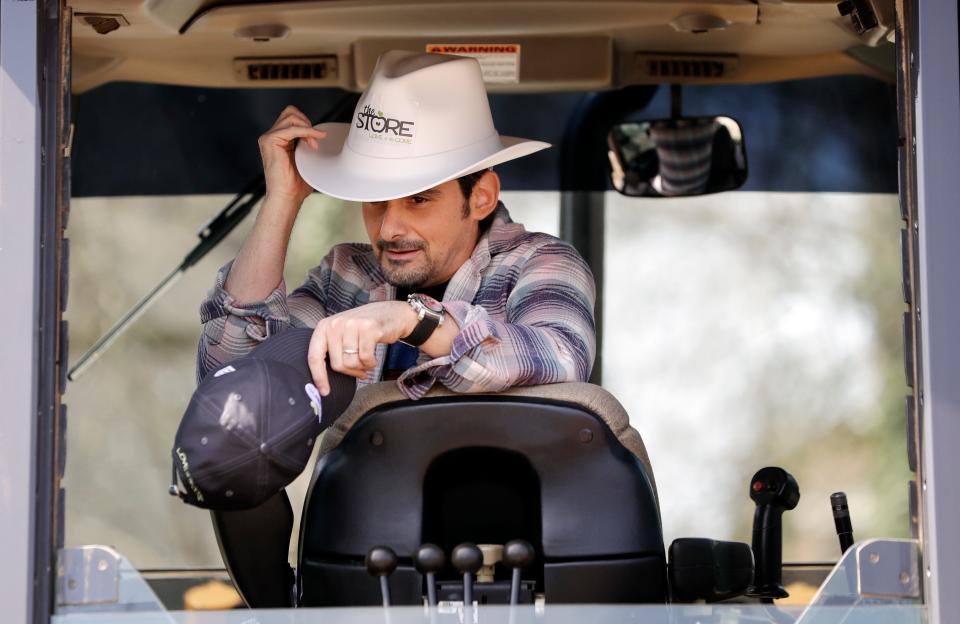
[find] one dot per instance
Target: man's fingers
(317, 360)
(367, 346)
(351, 337)
(335, 349)
(295, 132)
(288, 112)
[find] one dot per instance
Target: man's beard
(406, 274)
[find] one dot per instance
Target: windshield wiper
(210, 235)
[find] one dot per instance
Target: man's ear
(486, 195)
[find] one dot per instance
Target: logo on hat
(315, 401)
(378, 126)
(225, 370)
(187, 477)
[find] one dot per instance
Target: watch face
(430, 303)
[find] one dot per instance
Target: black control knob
(774, 490)
(381, 561)
(517, 554)
(467, 559)
(429, 559)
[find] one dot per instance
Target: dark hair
(467, 183)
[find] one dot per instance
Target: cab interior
(168, 98)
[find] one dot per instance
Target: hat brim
(336, 170)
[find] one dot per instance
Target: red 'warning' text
(473, 49)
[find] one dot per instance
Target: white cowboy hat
(423, 120)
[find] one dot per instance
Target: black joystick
(467, 559)
(517, 554)
(429, 560)
(774, 490)
(381, 562)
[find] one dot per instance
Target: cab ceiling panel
(565, 45)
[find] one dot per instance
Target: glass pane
(550, 614)
(751, 329)
(125, 410)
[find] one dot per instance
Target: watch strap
(428, 319)
(422, 332)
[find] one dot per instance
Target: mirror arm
(676, 101)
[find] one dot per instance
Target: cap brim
(336, 170)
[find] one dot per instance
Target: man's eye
(419, 199)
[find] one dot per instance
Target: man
(517, 307)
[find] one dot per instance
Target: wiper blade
(211, 235)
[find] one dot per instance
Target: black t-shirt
(401, 356)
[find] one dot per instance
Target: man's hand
(276, 150)
(349, 338)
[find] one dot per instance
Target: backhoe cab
(675, 124)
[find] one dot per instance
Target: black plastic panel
(710, 570)
(494, 593)
(348, 584)
(637, 580)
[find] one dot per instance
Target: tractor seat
(556, 465)
(591, 398)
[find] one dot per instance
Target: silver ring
(351, 351)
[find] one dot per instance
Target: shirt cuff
(266, 317)
(476, 329)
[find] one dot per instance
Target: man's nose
(393, 224)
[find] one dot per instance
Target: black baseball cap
(251, 425)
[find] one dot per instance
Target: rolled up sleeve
(547, 334)
(232, 328)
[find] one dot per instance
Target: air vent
(299, 69)
(669, 67)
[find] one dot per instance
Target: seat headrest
(593, 399)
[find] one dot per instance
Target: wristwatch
(429, 317)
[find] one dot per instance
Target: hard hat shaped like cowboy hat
(423, 120)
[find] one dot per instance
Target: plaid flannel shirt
(523, 302)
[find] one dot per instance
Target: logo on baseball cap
(250, 426)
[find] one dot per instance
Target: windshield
(744, 329)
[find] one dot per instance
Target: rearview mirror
(676, 157)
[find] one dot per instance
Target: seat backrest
(591, 398)
(556, 465)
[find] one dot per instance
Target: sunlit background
(742, 329)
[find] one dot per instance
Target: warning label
(499, 62)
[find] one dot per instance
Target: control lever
(381, 561)
(774, 490)
(492, 555)
(429, 560)
(517, 554)
(467, 559)
(841, 520)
